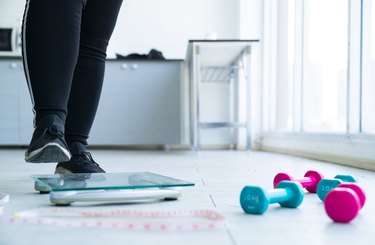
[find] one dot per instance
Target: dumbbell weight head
(316, 177)
(346, 178)
(255, 199)
(281, 177)
(358, 190)
(343, 203)
(295, 194)
(326, 185)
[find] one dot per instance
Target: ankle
(41, 115)
(76, 148)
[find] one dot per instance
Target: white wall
(167, 25)
(11, 12)
(250, 15)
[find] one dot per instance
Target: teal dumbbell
(255, 199)
(326, 185)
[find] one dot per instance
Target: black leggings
(64, 51)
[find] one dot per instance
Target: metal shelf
(219, 73)
(218, 61)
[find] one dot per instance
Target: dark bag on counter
(152, 55)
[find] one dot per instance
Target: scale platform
(65, 189)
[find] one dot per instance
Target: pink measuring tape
(179, 220)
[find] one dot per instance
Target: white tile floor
(219, 177)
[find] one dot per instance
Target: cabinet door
(140, 104)
(9, 117)
(15, 109)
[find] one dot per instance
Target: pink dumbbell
(343, 203)
(309, 181)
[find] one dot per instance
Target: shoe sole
(51, 152)
(62, 170)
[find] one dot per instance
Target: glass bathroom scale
(65, 189)
(105, 181)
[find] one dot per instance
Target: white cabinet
(16, 117)
(141, 104)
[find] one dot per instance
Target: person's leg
(50, 35)
(98, 22)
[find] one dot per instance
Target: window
(319, 80)
(325, 65)
(368, 68)
(283, 117)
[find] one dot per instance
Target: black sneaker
(81, 162)
(48, 143)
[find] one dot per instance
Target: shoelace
(86, 156)
(54, 131)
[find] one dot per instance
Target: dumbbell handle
(306, 181)
(278, 195)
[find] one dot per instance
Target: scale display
(108, 181)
